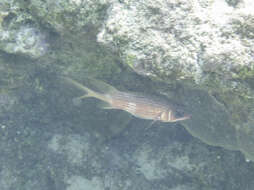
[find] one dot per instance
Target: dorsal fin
(91, 83)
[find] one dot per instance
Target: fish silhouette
(138, 105)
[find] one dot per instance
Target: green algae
(130, 60)
(66, 16)
(229, 114)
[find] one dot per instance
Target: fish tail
(89, 92)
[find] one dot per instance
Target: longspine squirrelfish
(138, 105)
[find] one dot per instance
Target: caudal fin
(80, 86)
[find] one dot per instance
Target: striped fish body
(138, 105)
(143, 107)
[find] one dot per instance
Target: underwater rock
(185, 39)
(70, 145)
(27, 41)
(169, 158)
(67, 16)
(7, 178)
(201, 45)
(20, 33)
(7, 102)
(80, 183)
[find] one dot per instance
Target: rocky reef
(202, 45)
(197, 54)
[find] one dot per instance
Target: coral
(26, 40)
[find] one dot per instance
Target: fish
(140, 106)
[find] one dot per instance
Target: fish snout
(185, 117)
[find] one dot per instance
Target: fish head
(171, 116)
(184, 117)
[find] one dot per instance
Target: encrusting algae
(140, 106)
